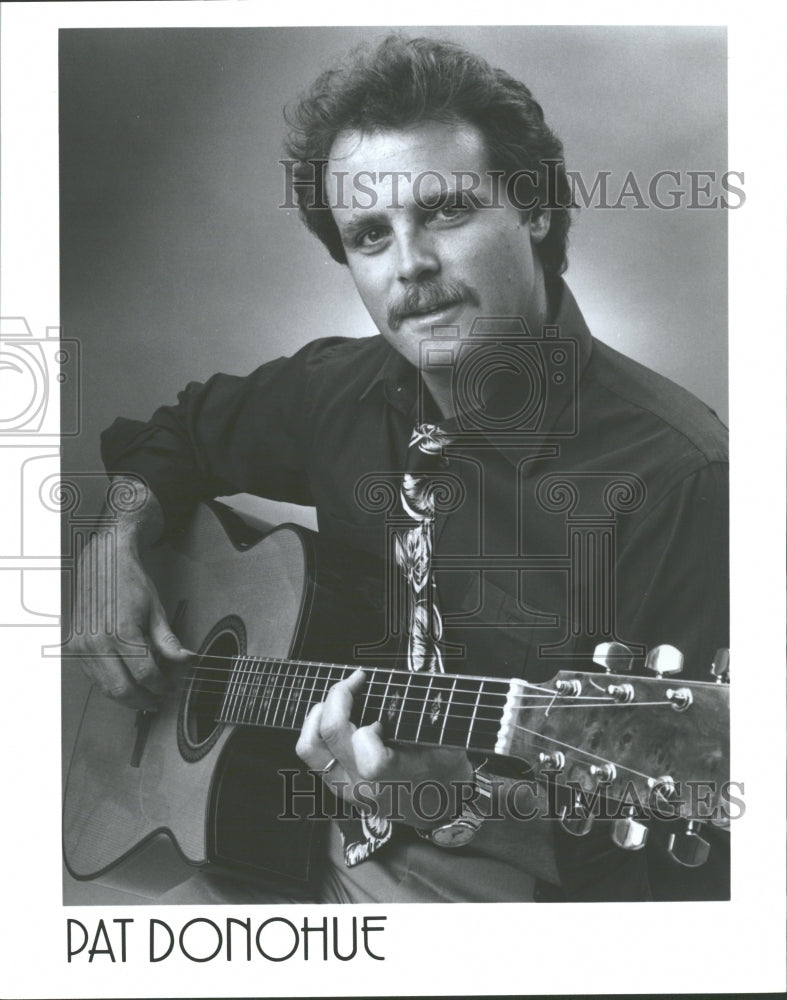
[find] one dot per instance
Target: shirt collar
(400, 379)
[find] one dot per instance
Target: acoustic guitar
(203, 772)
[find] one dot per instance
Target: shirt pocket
(508, 633)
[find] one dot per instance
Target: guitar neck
(434, 709)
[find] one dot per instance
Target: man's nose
(418, 258)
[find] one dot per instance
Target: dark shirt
(594, 496)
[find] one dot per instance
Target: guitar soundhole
(198, 728)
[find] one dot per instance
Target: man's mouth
(430, 299)
(431, 308)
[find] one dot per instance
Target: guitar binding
(201, 701)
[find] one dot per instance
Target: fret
(271, 687)
(254, 686)
(262, 689)
(314, 698)
(466, 710)
(373, 703)
(236, 688)
(486, 721)
(285, 688)
(369, 683)
(447, 711)
(389, 710)
(423, 709)
(433, 718)
(297, 722)
(475, 713)
(403, 707)
(328, 682)
(223, 711)
(384, 698)
(248, 687)
(288, 707)
(416, 696)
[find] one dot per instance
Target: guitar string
(537, 736)
(257, 702)
(249, 679)
(245, 681)
(277, 694)
(320, 665)
(503, 682)
(587, 753)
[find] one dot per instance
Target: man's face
(415, 264)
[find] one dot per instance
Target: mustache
(428, 297)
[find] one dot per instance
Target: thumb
(165, 641)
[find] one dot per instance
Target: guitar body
(211, 789)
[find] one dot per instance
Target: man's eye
(372, 237)
(453, 210)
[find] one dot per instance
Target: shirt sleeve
(672, 586)
(228, 435)
(673, 572)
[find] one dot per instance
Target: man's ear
(540, 219)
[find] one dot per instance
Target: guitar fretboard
(437, 709)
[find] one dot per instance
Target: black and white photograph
(389, 501)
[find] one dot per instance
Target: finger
(164, 639)
(373, 759)
(143, 668)
(310, 748)
(114, 681)
(336, 728)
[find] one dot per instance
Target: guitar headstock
(629, 745)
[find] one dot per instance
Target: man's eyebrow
(363, 220)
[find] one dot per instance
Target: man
(435, 179)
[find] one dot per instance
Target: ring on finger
(328, 767)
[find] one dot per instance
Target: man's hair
(404, 81)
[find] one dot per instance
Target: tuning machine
(628, 833)
(688, 848)
(720, 668)
(614, 657)
(664, 660)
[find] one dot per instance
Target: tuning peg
(720, 668)
(621, 693)
(681, 698)
(688, 848)
(554, 761)
(604, 773)
(629, 834)
(614, 657)
(664, 660)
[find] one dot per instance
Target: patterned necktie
(362, 836)
(414, 549)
